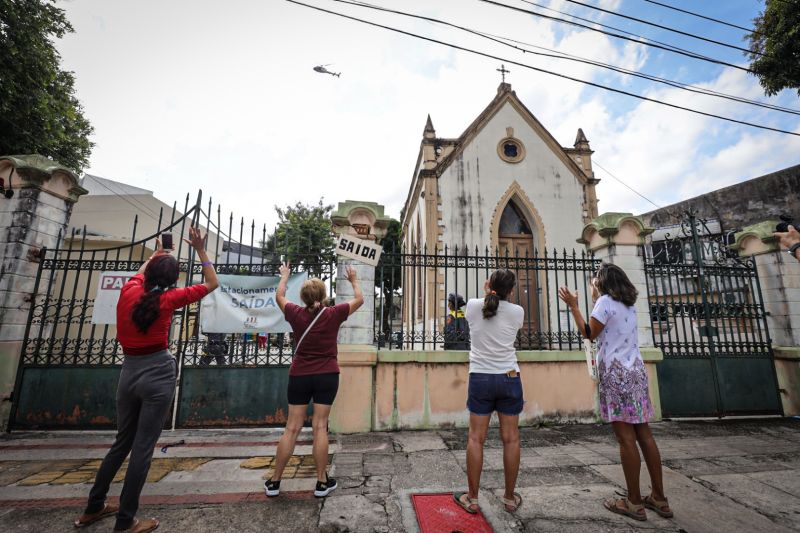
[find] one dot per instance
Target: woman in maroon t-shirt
(147, 381)
(314, 374)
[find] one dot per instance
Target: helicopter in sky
(322, 70)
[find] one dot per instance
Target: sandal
(513, 504)
(86, 519)
(660, 507)
(141, 526)
(470, 506)
(626, 508)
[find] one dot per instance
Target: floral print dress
(624, 395)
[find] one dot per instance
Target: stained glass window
(513, 222)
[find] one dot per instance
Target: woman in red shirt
(147, 381)
(314, 374)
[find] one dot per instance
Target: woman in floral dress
(624, 397)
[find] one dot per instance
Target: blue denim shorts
(494, 392)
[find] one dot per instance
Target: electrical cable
(594, 162)
(570, 57)
(712, 19)
(650, 42)
(662, 27)
(544, 71)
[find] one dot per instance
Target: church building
(505, 186)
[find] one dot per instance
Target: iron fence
(412, 290)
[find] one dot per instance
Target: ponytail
(500, 285)
(147, 309)
(161, 273)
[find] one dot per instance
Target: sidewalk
(720, 476)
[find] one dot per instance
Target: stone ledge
(790, 353)
(650, 355)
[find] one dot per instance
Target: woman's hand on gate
(285, 270)
(196, 239)
(352, 275)
(568, 297)
(159, 249)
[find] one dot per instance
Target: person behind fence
(314, 373)
(147, 381)
(216, 349)
(494, 385)
(456, 329)
(623, 386)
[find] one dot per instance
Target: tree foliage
(39, 112)
(304, 237)
(388, 275)
(775, 46)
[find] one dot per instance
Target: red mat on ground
(439, 513)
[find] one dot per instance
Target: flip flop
(142, 526)
(87, 519)
(627, 509)
(472, 504)
(658, 506)
(514, 504)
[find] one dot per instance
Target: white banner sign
(365, 251)
(105, 302)
(246, 304)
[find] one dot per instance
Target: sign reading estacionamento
(365, 251)
(105, 302)
(246, 304)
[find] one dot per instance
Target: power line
(524, 65)
(594, 162)
(699, 15)
(649, 42)
(660, 26)
(570, 57)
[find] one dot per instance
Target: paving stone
(416, 441)
(784, 480)
(14, 471)
(351, 512)
(748, 463)
(40, 478)
(256, 462)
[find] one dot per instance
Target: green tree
(775, 46)
(389, 274)
(39, 112)
(304, 236)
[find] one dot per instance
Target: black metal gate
(70, 365)
(708, 317)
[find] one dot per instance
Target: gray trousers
(144, 395)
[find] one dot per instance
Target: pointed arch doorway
(516, 237)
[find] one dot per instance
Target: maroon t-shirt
(317, 353)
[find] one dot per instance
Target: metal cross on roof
(503, 71)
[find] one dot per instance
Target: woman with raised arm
(147, 381)
(314, 374)
(623, 386)
(494, 385)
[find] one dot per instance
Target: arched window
(513, 222)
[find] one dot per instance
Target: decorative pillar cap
(756, 239)
(37, 171)
(362, 219)
(614, 228)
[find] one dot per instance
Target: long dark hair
(159, 275)
(613, 281)
(500, 284)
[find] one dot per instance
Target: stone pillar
(30, 220)
(353, 410)
(779, 277)
(617, 238)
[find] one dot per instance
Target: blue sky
(186, 95)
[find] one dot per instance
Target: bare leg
(320, 427)
(631, 462)
(294, 424)
(509, 432)
(652, 458)
(478, 426)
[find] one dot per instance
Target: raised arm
(280, 295)
(571, 299)
(198, 241)
(358, 298)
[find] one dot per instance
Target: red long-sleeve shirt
(133, 341)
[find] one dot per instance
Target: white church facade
(504, 187)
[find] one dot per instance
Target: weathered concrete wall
(393, 390)
(739, 205)
(787, 368)
(471, 188)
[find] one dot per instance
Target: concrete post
(779, 277)
(353, 410)
(30, 220)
